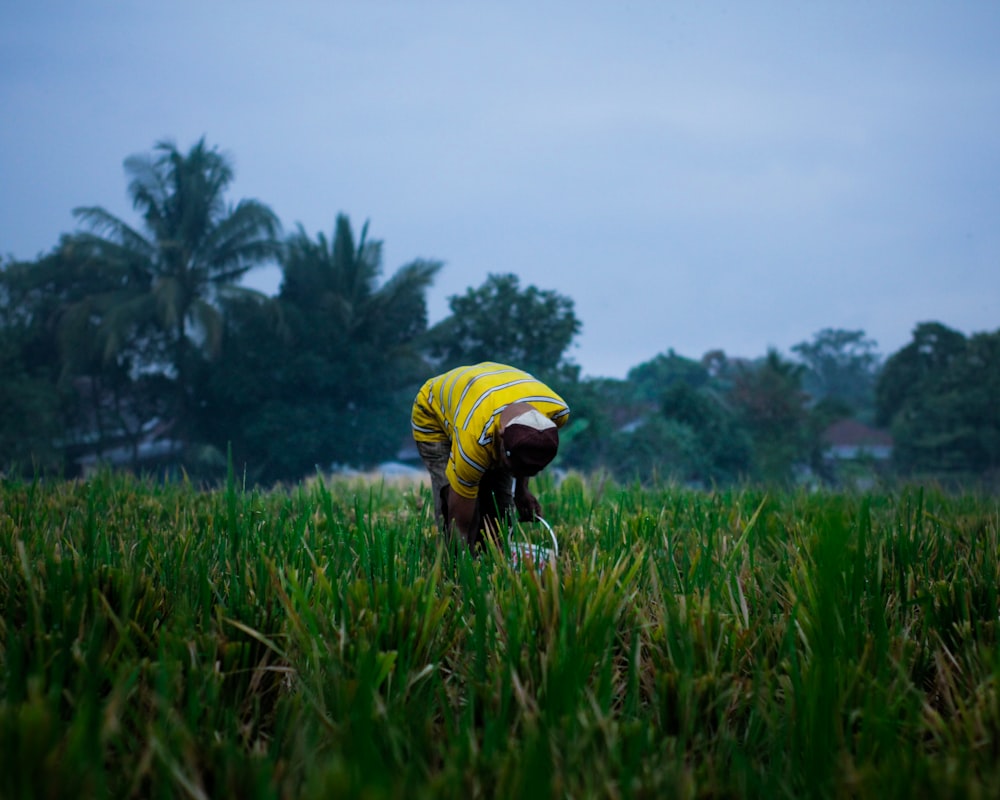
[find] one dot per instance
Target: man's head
(530, 442)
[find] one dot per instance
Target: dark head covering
(529, 450)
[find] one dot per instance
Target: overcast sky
(694, 176)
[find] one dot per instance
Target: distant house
(151, 447)
(849, 440)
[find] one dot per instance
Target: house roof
(852, 433)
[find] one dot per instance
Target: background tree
(31, 420)
(672, 411)
(938, 396)
(655, 449)
(654, 377)
(530, 329)
(599, 409)
(771, 406)
(111, 372)
(917, 369)
(58, 304)
(723, 449)
(841, 369)
(978, 379)
(193, 251)
(326, 372)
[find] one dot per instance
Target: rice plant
(161, 641)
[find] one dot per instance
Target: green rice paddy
(160, 641)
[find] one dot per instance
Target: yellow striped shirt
(463, 407)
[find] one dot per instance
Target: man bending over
(477, 428)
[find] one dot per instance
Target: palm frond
(234, 291)
(110, 229)
(398, 310)
(248, 235)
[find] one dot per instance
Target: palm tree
(193, 251)
(336, 284)
(356, 339)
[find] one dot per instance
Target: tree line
(140, 347)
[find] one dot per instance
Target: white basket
(526, 554)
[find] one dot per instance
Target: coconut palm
(193, 249)
(355, 340)
(335, 286)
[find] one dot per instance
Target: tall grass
(158, 641)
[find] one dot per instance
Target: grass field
(158, 641)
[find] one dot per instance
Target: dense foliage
(324, 373)
(941, 397)
(502, 322)
(140, 348)
(157, 641)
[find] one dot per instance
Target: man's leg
(435, 457)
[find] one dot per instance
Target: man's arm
(462, 514)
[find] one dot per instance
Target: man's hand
(525, 502)
(528, 507)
